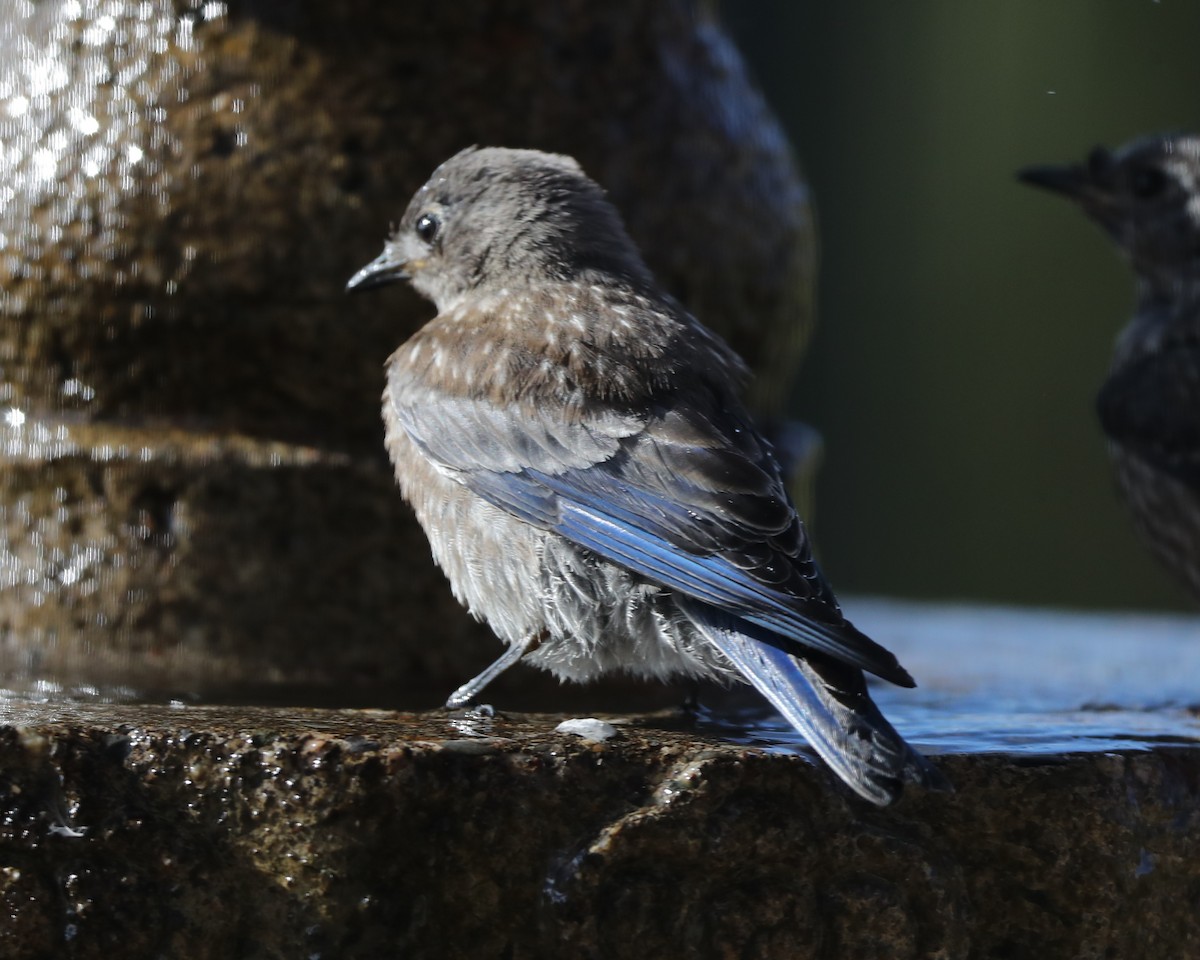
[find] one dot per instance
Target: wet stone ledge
(205, 832)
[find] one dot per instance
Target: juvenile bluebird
(1147, 196)
(572, 442)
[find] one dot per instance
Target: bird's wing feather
(1151, 407)
(692, 502)
(469, 434)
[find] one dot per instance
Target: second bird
(573, 444)
(1146, 195)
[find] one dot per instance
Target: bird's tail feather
(828, 703)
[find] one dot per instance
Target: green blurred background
(966, 321)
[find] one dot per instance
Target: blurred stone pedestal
(194, 498)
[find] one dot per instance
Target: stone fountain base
(208, 832)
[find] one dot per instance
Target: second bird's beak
(1071, 181)
(1090, 185)
(388, 267)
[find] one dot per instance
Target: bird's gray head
(493, 218)
(1147, 196)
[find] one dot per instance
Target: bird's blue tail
(828, 703)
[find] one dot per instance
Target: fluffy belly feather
(594, 616)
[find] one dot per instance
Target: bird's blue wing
(689, 499)
(637, 540)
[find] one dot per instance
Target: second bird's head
(1146, 194)
(493, 218)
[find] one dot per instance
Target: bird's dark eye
(427, 227)
(1147, 182)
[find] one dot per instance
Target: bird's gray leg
(474, 687)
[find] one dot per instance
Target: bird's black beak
(385, 268)
(1092, 183)
(1072, 181)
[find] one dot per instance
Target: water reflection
(950, 727)
(1019, 680)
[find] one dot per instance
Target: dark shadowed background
(966, 321)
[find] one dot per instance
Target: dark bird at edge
(1146, 196)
